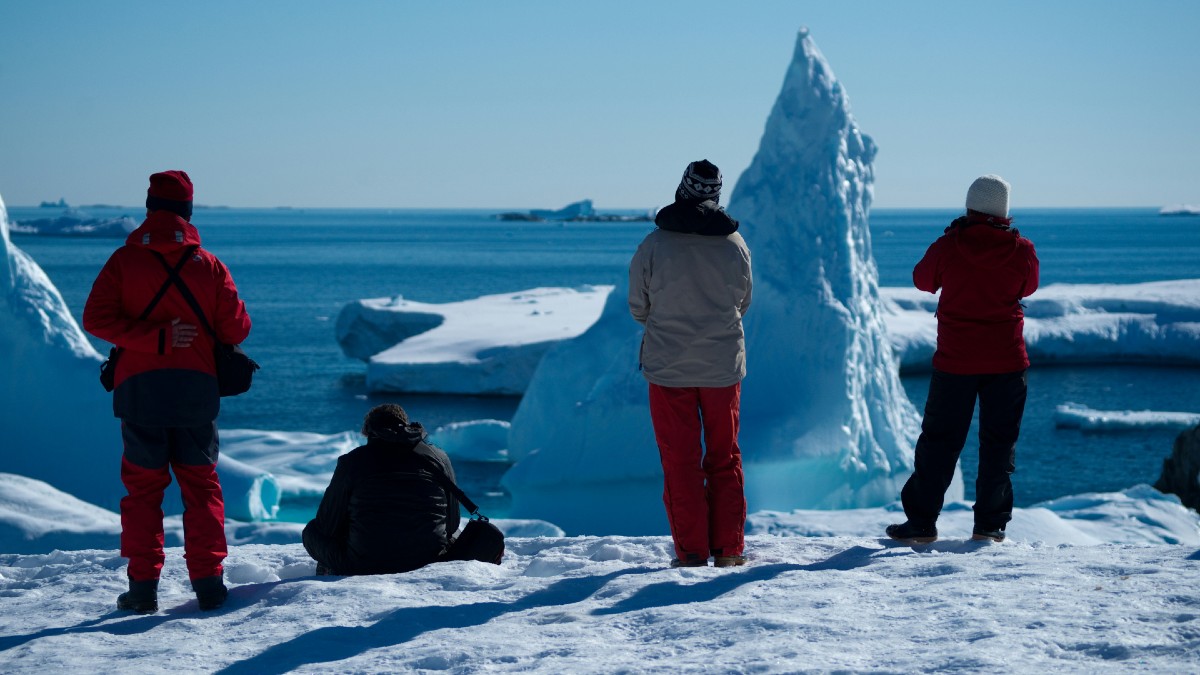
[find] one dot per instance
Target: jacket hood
(985, 245)
(405, 437)
(696, 217)
(164, 231)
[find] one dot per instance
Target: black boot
(142, 597)
(210, 592)
(909, 531)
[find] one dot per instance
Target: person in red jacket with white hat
(166, 391)
(983, 267)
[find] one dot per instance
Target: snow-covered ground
(610, 604)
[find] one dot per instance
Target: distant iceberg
(1179, 210)
(488, 345)
(74, 223)
(578, 209)
(575, 212)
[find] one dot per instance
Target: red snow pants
(150, 454)
(702, 486)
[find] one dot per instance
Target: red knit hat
(173, 185)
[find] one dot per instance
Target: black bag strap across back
(186, 292)
(172, 273)
(450, 485)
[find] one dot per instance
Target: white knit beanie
(989, 194)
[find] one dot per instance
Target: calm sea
(296, 268)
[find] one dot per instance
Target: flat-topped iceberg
(488, 345)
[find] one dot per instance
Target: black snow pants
(948, 412)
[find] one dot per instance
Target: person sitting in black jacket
(385, 511)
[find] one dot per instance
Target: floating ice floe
(1075, 416)
(488, 345)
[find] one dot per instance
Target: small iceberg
(75, 223)
(580, 211)
(1179, 210)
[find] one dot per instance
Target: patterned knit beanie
(701, 180)
(170, 191)
(989, 194)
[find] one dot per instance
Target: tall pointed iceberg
(825, 421)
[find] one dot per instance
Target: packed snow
(1084, 586)
(488, 345)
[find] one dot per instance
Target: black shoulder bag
(108, 369)
(480, 539)
(235, 370)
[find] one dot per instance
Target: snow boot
(985, 534)
(910, 533)
(142, 597)
(210, 592)
(693, 560)
(729, 561)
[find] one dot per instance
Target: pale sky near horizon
(535, 104)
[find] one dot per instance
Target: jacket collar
(163, 230)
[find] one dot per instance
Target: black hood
(406, 436)
(696, 217)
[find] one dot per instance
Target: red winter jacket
(983, 272)
(156, 385)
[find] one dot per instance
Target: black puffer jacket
(384, 511)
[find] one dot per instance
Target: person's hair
(383, 418)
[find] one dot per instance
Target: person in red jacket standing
(983, 267)
(166, 388)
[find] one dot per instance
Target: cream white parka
(689, 285)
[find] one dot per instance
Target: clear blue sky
(535, 104)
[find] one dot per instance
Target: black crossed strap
(172, 273)
(174, 278)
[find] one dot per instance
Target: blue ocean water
(296, 268)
